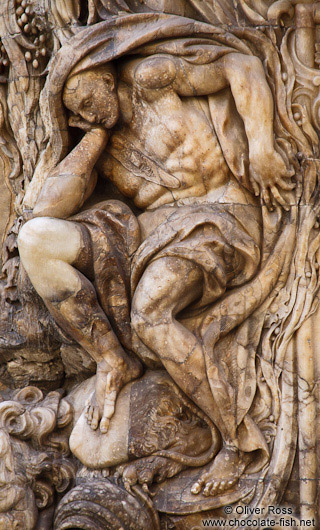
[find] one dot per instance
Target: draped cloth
(115, 235)
(224, 242)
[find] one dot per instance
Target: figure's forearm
(253, 99)
(66, 189)
(245, 76)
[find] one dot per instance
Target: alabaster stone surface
(160, 251)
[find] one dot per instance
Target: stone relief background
(159, 343)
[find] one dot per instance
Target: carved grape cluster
(4, 59)
(30, 25)
(23, 12)
(317, 54)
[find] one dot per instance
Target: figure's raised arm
(245, 76)
(253, 98)
(91, 98)
(73, 180)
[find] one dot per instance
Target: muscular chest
(169, 148)
(178, 133)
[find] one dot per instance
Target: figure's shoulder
(156, 71)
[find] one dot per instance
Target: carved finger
(255, 186)
(266, 198)
(290, 172)
(273, 201)
(279, 198)
(119, 472)
(116, 477)
(285, 185)
(80, 123)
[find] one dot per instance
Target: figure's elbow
(56, 210)
(244, 66)
(47, 210)
(60, 197)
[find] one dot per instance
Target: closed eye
(86, 104)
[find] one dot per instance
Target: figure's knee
(154, 302)
(167, 286)
(30, 239)
(146, 314)
(44, 238)
(142, 318)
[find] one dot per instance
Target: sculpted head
(92, 95)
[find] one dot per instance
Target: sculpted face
(93, 96)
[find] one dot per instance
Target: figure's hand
(77, 121)
(271, 179)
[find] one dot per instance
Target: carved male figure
(149, 130)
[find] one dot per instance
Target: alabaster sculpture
(160, 251)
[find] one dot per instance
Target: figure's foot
(225, 471)
(109, 382)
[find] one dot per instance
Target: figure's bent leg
(47, 249)
(50, 249)
(167, 287)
